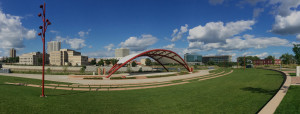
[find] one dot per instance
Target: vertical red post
(46, 22)
(44, 30)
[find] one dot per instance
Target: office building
(267, 62)
(217, 59)
(53, 46)
(13, 53)
(193, 59)
(122, 52)
(67, 57)
(33, 58)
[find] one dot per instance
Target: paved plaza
(65, 78)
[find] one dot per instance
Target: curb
(271, 106)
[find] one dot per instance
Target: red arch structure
(162, 56)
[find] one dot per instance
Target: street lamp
(46, 22)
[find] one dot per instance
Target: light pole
(46, 22)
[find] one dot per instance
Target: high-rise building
(122, 52)
(53, 46)
(67, 57)
(12, 52)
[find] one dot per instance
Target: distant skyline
(207, 27)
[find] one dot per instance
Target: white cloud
(247, 53)
(241, 43)
(262, 55)
(54, 32)
(61, 39)
(169, 46)
(284, 7)
(99, 54)
(178, 35)
(109, 47)
(214, 32)
(257, 11)
(298, 37)
(287, 25)
(216, 2)
(251, 2)
(82, 34)
(76, 43)
(139, 44)
(12, 33)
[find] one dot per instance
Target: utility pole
(46, 22)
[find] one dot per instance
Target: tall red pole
(44, 30)
(46, 22)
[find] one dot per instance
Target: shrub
(140, 70)
(48, 71)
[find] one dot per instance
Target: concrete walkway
(124, 86)
(272, 105)
(64, 78)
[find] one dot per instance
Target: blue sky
(207, 27)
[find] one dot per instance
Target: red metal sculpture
(161, 53)
(46, 22)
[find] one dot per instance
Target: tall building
(217, 59)
(122, 52)
(67, 57)
(193, 58)
(12, 52)
(33, 58)
(53, 46)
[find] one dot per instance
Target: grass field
(240, 92)
(291, 102)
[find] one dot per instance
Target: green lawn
(291, 102)
(240, 92)
(292, 74)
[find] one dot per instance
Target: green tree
(148, 62)
(296, 50)
(48, 71)
(82, 69)
(93, 62)
(287, 58)
(271, 58)
(211, 63)
(101, 63)
(17, 59)
(107, 62)
(133, 64)
(113, 61)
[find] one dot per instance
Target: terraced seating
(78, 87)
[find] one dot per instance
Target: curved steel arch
(151, 55)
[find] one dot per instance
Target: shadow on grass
(260, 90)
(272, 74)
(69, 93)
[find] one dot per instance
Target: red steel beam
(146, 53)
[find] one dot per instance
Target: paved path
(64, 78)
(272, 105)
(125, 87)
